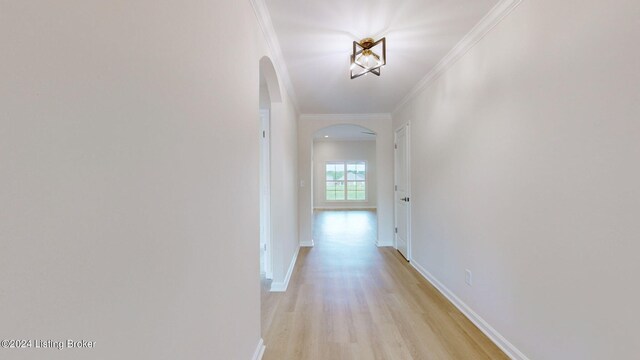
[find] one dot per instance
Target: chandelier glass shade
(368, 56)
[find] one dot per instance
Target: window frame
(346, 182)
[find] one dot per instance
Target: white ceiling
(316, 39)
(344, 132)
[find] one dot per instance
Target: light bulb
(368, 59)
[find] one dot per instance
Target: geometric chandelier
(368, 57)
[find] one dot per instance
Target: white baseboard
(487, 329)
(282, 286)
(307, 243)
(345, 207)
(257, 355)
(383, 244)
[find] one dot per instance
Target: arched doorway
(344, 182)
(269, 92)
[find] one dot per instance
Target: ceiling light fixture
(365, 59)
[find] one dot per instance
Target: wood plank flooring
(348, 299)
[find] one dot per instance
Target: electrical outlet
(468, 277)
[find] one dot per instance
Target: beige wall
(525, 170)
(129, 172)
(324, 151)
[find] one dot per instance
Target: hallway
(349, 299)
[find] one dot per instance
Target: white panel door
(402, 197)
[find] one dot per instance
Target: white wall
(325, 151)
(525, 170)
(264, 99)
(381, 125)
(284, 202)
(120, 123)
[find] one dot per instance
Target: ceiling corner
(264, 21)
(482, 28)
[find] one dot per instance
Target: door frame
(395, 183)
(265, 191)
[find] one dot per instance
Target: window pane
(330, 171)
(345, 181)
(351, 171)
(351, 186)
(331, 186)
(334, 171)
(361, 171)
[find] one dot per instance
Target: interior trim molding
(385, 244)
(307, 243)
(346, 117)
(478, 321)
(282, 286)
(482, 28)
(346, 207)
(257, 355)
(266, 25)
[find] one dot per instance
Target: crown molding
(266, 25)
(482, 28)
(346, 117)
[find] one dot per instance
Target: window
(346, 181)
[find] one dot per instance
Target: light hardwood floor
(348, 299)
